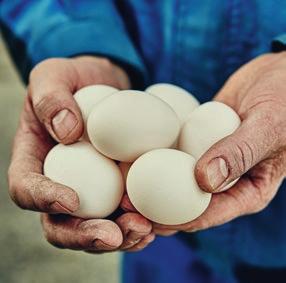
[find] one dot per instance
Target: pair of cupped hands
(256, 152)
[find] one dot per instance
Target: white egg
(130, 123)
(182, 102)
(161, 185)
(124, 168)
(207, 124)
(96, 179)
(87, 97)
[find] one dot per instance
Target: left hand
(256, 152)
(50, 93)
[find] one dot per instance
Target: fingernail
(71, 202)
(129, 244)
(63, 123)
(102, 246)
(133, 242)
(59, 208)
(217, 172)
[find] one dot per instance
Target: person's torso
(198, 44)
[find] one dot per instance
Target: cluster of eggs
(147, 142)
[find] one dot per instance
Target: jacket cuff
(279, 43)
(78, 38)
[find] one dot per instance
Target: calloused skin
(255, 152)
(51, 114)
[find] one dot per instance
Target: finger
(27, 186)
(78, 234)
(51, 86)
(36, 192)
(255, 140)
(126, 204)
(142, 244)
(134, 228)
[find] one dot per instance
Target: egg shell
(96, 179)
(181, 101)
(161, 185)
(207, 124)
(130, 123)
(87, 97)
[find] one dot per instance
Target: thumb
(234, 155)
(50, 91)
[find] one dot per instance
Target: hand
(256, 152)
(50, 110)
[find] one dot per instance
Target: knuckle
(100, 74)
(243, 157)
(260, 201)
(46, 228)
(49, 232)
(13, 192)
(47, 106)
(47, 63)
(43, 193)
(106, 63)
(14, 187)
(32, 191)
(39, 192)
(256, 207)
(253, 200)
(51, 239)
(268, 112)
(272, 127)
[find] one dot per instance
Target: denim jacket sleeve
(38, 29)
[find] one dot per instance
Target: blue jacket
(195, 44)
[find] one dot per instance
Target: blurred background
(25, 256)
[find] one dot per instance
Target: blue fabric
(195, 44)
(169, 260)
(51, 28)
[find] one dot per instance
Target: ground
(25, 255)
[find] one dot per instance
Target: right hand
(50, 111)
